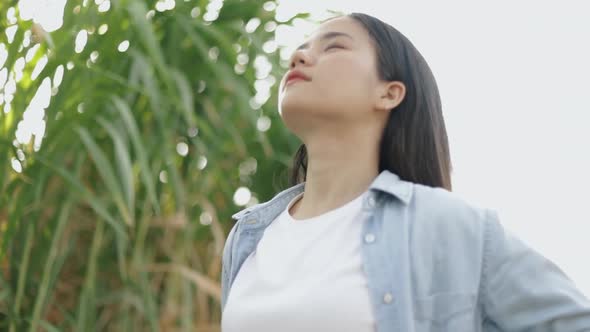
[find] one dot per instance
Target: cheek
(347, 81)
(339, 84)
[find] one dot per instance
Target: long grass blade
(87, 305)
(140, 150)
(90, 198)
(104, 168)
(123, 162)
(49, 270)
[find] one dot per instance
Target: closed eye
(333, 46)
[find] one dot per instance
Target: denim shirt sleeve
(225, 265)
(525, 291)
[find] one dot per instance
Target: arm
(523, 290)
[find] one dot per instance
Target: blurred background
(131, 131)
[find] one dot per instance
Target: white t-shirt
(304, 275)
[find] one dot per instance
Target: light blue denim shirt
(436, 263)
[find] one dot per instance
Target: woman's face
(340, 61)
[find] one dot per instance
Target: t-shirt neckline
(342, 209)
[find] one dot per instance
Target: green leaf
(90, 198)
(104, 168)
(123, 161)
(140, 149)
(49, 271)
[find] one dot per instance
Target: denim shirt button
(387, 298)
(369, 238)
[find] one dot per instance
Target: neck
(335, 176)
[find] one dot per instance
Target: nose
(300, 57)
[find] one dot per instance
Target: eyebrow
(326, 36)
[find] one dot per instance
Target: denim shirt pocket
(441, 306)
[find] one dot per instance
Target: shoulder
(443, 212)
(443, 201)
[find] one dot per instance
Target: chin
(295, 106)
(294, 116)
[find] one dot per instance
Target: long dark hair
(414, 144)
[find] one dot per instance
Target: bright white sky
(513, 78)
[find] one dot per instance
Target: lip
(296, 75)
(294, 80)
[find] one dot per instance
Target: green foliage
(117, 220)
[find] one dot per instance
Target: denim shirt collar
(260, 215)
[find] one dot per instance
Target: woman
(374, 239)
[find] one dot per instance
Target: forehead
(342, 24)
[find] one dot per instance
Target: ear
(390, 95)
